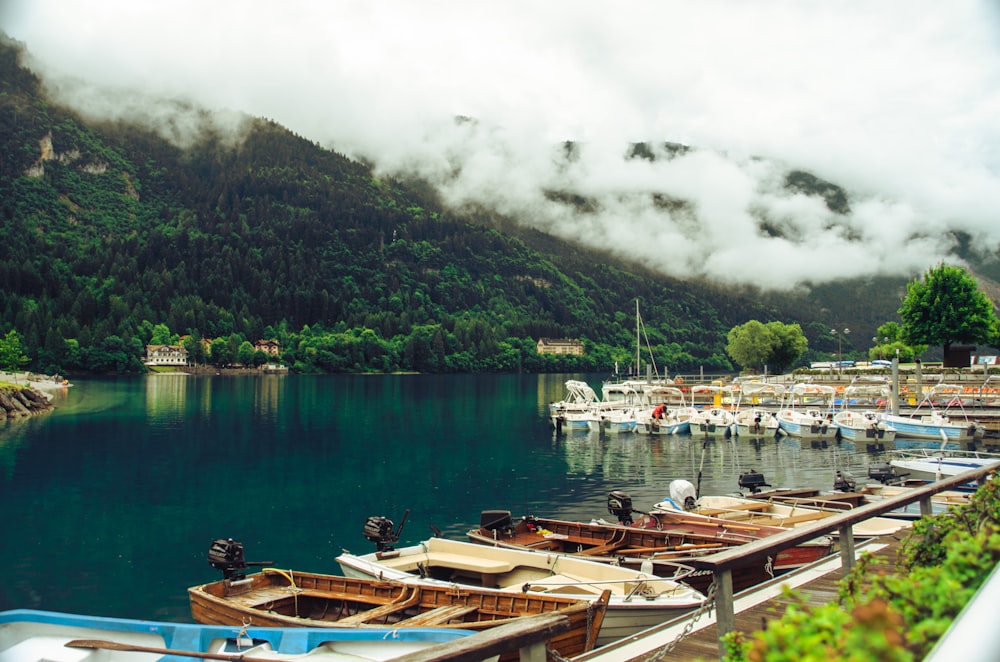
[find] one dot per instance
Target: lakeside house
(559, 346)
(166, 355)
(269, 347)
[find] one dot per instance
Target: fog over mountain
(896, 102)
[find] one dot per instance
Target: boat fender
(682, 491)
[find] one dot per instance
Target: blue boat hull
(27, 634)
(915, 429)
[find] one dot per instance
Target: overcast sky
(898, 101)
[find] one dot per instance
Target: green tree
(889, 346)
(162, 336)
(244, 354)
(790, 344)
(220, 353)
(751, 344)
(12, 355)
(947, 307)
(195, 348)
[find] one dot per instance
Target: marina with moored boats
(642, 465)
(964, 410)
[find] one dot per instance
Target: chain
(705, 608)
(554, 655)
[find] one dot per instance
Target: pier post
(725, 610)
(925, 506)
(847, 547)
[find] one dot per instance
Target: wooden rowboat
(659, 550)
(638, 600)
(283, 598)
(769, 513)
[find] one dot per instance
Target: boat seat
(468, 563)
(437, 616)
(762, 505)
(405, 602)
(791, 520)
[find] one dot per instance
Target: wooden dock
(696, 634)
(754, 607)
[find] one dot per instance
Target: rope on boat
(287, 574)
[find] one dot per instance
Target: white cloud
(895, 101)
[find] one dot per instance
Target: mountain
(112, 233)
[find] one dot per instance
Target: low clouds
(893, 101)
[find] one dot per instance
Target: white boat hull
(863, 426)
(711, 423)
(756, 423)
(663, 428)
(510, 570)
(931, 428)
(804, 425)
(935, 467)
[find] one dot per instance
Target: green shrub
(891, 615)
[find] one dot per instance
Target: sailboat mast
(637, 342)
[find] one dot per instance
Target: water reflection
(166, 397)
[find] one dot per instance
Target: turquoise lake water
(111, 501)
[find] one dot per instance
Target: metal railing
(722, 563)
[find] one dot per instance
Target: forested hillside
(113, 237)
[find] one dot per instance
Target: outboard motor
(753, 481)
(496, 521)
(226, 555)
(620, 505)
(883, 473)
(683, 493)
(379, 530)
(844, 482)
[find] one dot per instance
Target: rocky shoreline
(17, 401)
(24, 394)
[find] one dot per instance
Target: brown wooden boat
(660, 549)
(283, 598)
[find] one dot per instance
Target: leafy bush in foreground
(891, 615)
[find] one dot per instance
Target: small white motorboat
(638, 599)
(766, 512)
(752, 419)
(931, 464)
(808, 412)
(932, 424)
(863, 426)
(665, 413)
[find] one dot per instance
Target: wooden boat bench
(736, 507)
(618, 540)
(459, 562)
(405, 602)
(437, 616)
(795, 519)
(485, 571)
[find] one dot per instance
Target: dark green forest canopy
(116, 230)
